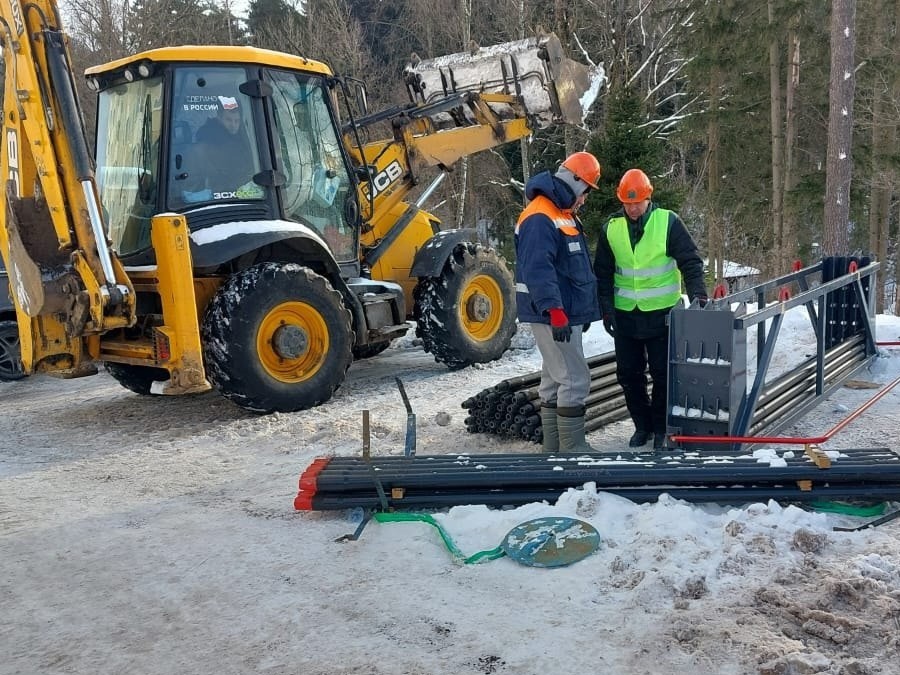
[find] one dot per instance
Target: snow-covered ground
(147, 535)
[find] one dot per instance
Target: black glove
(701, 299)
(609, 324)
(559, 325)
(562, 333)
(584, 327)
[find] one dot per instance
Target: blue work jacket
(553, 264)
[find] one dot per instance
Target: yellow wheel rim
(292, 342)
(481, 307)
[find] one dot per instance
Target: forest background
(771, 126)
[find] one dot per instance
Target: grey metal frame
(707, 384)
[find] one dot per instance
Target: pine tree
(625, 144)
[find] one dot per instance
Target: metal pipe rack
(708, 390)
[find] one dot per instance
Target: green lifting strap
(847, 509)
(553, 541)
(481, 556)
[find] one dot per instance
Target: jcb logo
(12, 153)
(383, 179)
(17, 17)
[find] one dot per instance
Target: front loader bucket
(553, 88)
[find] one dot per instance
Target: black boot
(659, 441)
(639, 439)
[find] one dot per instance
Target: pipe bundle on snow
(511, 408)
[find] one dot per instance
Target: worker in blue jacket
(556, 292)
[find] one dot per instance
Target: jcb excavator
(236, 226)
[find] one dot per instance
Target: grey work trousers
(565, 376)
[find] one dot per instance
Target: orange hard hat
(584, 166)
(634, 187)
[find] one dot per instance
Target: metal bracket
(409, 449)
(379, 488)
(357, 533)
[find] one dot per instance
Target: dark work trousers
(632, 358)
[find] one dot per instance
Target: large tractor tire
(467, 315)
(138, 379)
(277, 337)
(10, 356)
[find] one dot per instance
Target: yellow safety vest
(645, 276)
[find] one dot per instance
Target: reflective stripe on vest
(564, 221)
(645, 276)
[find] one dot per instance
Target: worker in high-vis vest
(556, 292)
(644, 254)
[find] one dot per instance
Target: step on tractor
(240, 224)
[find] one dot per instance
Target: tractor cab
(222, 143)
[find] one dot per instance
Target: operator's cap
(228, 102)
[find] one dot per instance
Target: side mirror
(145, 187)
(364, 173)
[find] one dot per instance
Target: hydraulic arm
(68, 286)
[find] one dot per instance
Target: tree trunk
(465, 15)
(885, 93)
(839, 162)
(883, 140)
(895, 146)
(777, 145)
(524, 142)
(715, 238)
(789, 225)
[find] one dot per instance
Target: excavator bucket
(553, 88)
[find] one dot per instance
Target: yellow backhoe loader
(236, 226)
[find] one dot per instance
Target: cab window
(317, 183)
(213, 145)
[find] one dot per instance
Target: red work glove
(559, 325)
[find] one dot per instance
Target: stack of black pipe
(726, 477)
(511, 408)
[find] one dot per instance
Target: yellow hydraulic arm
(66, 282)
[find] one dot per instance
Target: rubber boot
(549, 428)
(570, 422)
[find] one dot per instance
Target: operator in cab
(223, 149)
